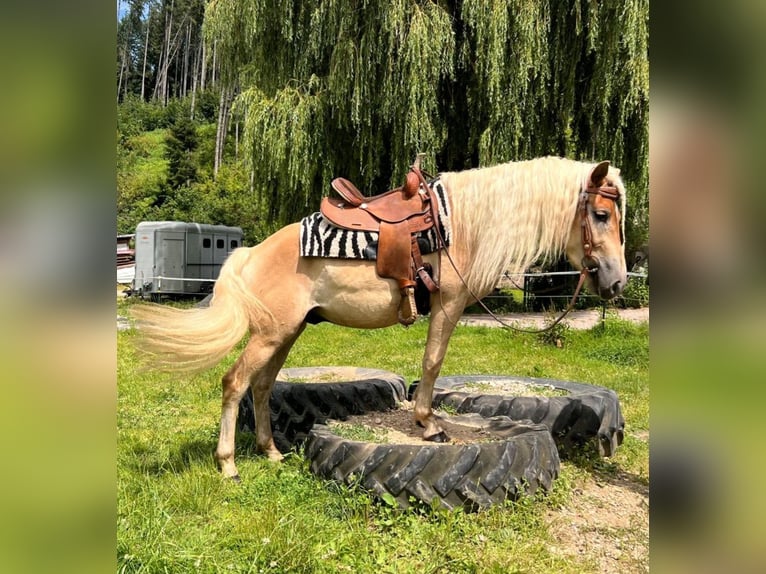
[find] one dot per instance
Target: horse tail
(192, 340)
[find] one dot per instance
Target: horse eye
(602, 216)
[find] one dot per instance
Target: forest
(240, 112)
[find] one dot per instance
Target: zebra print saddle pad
(320, 238)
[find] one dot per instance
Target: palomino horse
(503, 218)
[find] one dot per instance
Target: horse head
(597, 240)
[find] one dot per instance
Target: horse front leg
(443, 322)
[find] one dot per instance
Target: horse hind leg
(234, 386)
(256, 368)
(261, 384)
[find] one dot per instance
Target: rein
(589, 263)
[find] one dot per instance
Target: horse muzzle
(611, 290)
(607, 287)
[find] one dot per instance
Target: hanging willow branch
(282, 131)
(357, 87)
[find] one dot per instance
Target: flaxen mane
(511, 215)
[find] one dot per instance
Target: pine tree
(179, 149)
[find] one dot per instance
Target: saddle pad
(320, 238)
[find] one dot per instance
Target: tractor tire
(297, 407)
(471, 477)
(587, 414)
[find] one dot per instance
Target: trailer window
(206, 242)
(219, 243)
(233, 243)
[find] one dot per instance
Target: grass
(359, 432)
(176, 513)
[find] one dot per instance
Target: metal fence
(559, 294)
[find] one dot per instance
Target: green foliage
(356, 89)
(180, 145)
(556, 335)
(502, 300)
(135, 116)
(167, 173)
(281, 132)
(141, 175)
(164, 33)
(206, 110)
(636, 293)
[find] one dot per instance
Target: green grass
(359, 432)
(177, 514)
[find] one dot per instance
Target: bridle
(590, 264)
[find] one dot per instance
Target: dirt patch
(509, 388)
(339, 374)
(318, 375)
(398, 427)
(578, 319)
(606, 522)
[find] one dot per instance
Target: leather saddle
(397, 216)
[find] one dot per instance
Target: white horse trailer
(177, 258)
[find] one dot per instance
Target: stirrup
(408, 312)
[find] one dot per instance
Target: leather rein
(590, 264)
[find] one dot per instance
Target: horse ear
(599, 172)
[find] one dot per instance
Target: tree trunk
(215, 45)
(204, 66)
(196, 69)
(166, 67)
(224, 109)
(143, 70)
(185, 71)
(119, 82)
(126, 60)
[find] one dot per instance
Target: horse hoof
(236, 478)
(275, 456)
(439, 437)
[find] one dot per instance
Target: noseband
(589, 263)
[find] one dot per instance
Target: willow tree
(358, 87)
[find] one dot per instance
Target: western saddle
(397, 216)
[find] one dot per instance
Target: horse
(502, 218)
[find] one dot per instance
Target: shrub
(635, 295)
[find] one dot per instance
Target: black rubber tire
(467, 476)
(471, 477)
(589, 413)
(296, 408)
